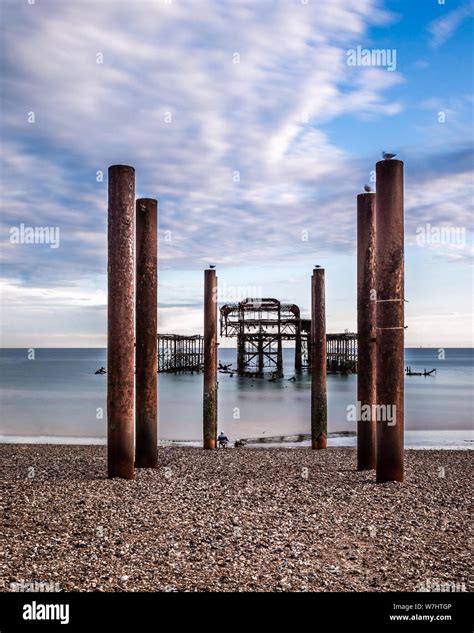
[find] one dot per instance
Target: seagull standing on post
(387, 156)
(368, 189)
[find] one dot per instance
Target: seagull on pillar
(387, 156)
(212, 265)
(368, 189)
(316, 266)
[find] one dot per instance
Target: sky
(255, 131)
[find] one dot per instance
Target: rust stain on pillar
(120, 322)
(390, 318)
(210, 360)
(318, 361)
(366, 328)
(146, 407)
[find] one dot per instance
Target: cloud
(239, 155)
(258, 117)
(443, 28)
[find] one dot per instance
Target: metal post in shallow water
(210, 360)
(390, 320)
(318, 361)
(120, 323)
(366, 329)
(146, 409)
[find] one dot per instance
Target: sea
(56, 397)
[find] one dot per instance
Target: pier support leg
(120, 323)
(318, 362)
(366, 328)
(210, 360)
(240, 353)
(298, 355)
(390, 318)
(279, 346)
(146, 406)
(279, 356)
(260, 354)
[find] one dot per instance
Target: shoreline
(414, 440)
(232, 520)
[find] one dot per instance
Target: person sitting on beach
(223, 440)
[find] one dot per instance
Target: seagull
(368, 189)
(212, 265)
(387, 156)
(316, 266)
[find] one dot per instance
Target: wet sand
(232, 520)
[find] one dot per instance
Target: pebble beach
(232, 520)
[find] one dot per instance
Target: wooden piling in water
(366, 328)
(318, 362)
(146, 405)
(210, 360)
(390, 318)
(120, 322)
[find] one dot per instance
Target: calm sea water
(58, 394)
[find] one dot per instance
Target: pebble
(231, 520)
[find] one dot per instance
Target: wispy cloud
(443, 28)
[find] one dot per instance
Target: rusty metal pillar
(366, 328)
(318, 361)
(146, 406)
(210, 360)
(120, 323)
(390, 319)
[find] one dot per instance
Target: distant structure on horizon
(262, 324)
(260, 327)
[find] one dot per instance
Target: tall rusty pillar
(146, 405)
(390, 319)
(120, 323)
(318, 361)
(366, 328)
(210, 360)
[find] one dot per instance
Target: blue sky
(302, 128)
